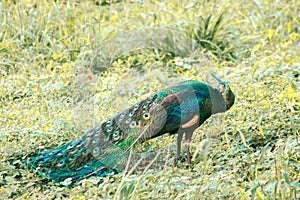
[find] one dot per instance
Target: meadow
(66, 66)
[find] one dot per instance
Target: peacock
(179, 108)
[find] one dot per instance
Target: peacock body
(180, 109)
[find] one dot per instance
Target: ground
(66, 66)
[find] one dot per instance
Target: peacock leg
(179, 139)
(188, 137)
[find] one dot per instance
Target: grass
(65, 65)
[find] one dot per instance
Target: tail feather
(95, 168)
(64, 162)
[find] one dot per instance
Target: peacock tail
(103, 150)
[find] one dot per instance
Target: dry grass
(64, 65)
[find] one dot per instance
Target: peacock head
(226, 92)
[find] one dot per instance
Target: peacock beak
(221, 86)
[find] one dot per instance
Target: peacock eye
(95, 140)
(131, 114)
(146, 116)
(60, 163)
(132, 124)
(70, 146)
(116, 135)
(96, 151)
(128, 120)
(110, 129)
(136, 106)
(80, 143)
(109, 122)
(155, 102)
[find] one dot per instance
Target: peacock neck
(218, 102)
